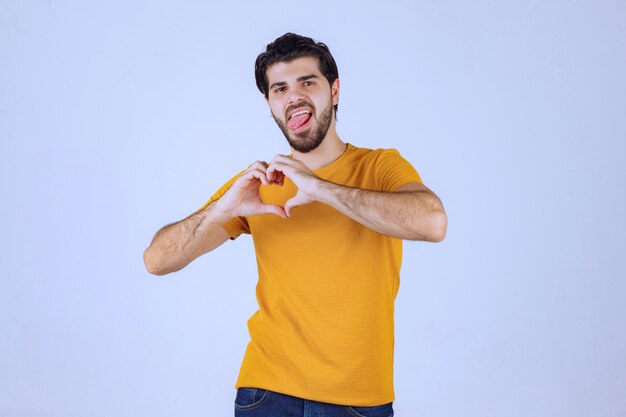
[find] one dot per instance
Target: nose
(296, 96)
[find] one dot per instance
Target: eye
(278, 89)
(307, 83)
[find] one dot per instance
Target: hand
(243, 199)
(306, 181)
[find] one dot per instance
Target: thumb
(273, 209)
(298, 200)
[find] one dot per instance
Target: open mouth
(299, 120)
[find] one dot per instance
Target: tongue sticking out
(297, 121)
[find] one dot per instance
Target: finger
(282, 158)
(260, 165)
(255, 173)
(274, 174)
(273, 209)
(298, 200)
(270, 172)
(279, 166)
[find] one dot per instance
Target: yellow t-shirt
(324, 330)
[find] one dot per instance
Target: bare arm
(412, 212)
(176, 245)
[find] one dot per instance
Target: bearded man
(327, 223)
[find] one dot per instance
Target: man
(327, 223)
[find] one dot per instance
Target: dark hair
(289, 47)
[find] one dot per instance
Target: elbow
(434, 230)
(439, 227)
(156, 271)
(152, 265)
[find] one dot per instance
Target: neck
(329, 150)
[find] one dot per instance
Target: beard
(311, 138)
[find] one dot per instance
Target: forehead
(284, 71)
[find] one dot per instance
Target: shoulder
(369, 152)
(378, 155)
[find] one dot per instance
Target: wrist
(322, 191)
(217, 213)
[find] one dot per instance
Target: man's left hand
(306, 181)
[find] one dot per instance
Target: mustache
(298, 106)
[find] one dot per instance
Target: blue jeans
(257, 402)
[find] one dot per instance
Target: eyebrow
(300, 79)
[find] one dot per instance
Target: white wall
(119, 117)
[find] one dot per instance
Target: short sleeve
(237, 225)
(393, 171)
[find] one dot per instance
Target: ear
(334, 91)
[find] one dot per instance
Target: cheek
(277, 109)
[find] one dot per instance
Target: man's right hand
(177, 244)
(243, 199)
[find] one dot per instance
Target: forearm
(176, 245)
(413, 215)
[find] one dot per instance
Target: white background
(118, 117)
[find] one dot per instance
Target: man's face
(301, 101)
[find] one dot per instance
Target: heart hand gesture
(307, 182)
(243, 199)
